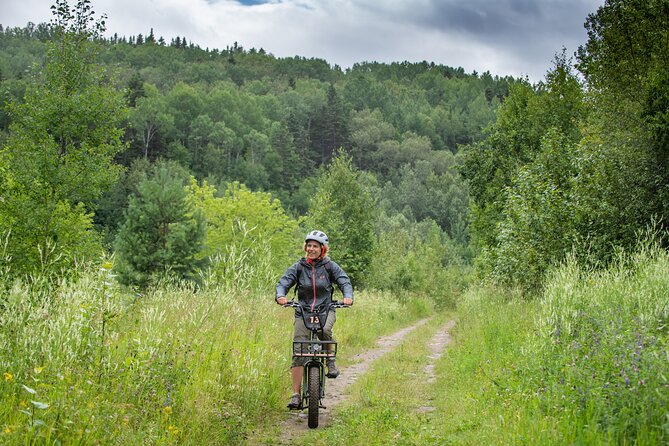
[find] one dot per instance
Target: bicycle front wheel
(314, 382)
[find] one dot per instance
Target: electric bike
(317, 353)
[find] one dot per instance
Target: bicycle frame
(316, 352)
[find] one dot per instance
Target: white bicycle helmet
(318, 236)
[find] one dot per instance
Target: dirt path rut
(436, 345)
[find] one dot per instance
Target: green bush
(249, 240)
(417, 258)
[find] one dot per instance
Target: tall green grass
(87, 362)
(603, 342)
(587, 363)
(478, 390)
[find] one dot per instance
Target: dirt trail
(296, 422)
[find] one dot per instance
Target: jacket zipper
(313, 286)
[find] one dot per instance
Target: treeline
(94, 127)
(519, 175)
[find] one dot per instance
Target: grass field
(87, 363)
(587, 362)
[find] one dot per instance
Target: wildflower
(173, 429)
(8, 429)
(167, 410)
(8, 377)
(38, 370)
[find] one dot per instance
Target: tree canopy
(524, 175)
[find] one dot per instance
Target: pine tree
(330, 129)
(161, 234)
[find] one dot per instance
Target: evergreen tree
(162, 233)
(331, 126)
(135, 89)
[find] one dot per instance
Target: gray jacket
(314, 282)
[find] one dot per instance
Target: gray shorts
(301, 333)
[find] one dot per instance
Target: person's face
(313, 249)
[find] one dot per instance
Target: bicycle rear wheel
(314, 382)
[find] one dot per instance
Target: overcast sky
(505, 37)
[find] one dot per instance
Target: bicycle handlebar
(333, 304)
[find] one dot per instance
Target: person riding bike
(314, 275)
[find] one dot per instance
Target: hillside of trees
(515, 175)
(221, 117)
(270, 123)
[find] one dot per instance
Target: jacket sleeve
(287, 281)
(342, 280)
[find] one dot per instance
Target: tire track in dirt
(296, 421)
(436, 345)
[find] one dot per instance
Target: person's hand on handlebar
(282, 300)
(347, 301)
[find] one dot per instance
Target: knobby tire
(314, 395)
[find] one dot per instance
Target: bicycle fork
(306, 395)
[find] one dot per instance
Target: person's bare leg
(297, 373)
(296, 398)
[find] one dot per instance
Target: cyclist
(314, 276)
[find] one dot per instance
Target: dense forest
(222, 117)
(518, 176)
